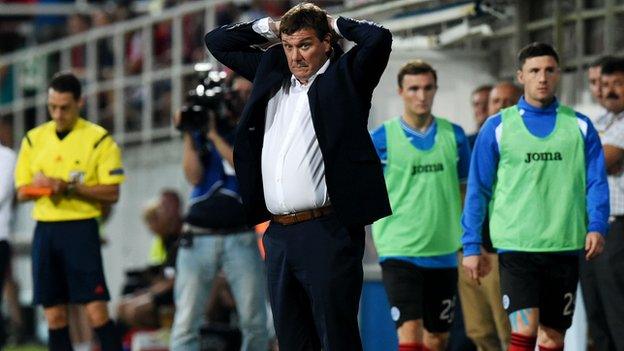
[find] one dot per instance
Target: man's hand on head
(274, 26)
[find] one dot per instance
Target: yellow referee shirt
(88, 155)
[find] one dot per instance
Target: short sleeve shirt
(87, 155)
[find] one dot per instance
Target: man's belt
(189, 229)
(302, 216)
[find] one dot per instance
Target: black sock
(58, 339)
(108, 336)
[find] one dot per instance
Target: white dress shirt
(293, 172)
(7, 167)
(611, 130)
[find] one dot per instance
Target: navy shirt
(217, 173)
(425, 141)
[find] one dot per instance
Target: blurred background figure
(7, 197)
(479, 103)
(487, 324)
(602, 279)
(147, 301)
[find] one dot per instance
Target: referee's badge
(76, 177)
(505, 301)
(395, 313)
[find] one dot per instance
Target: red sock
(412, 347)
(409, 346)
(556, 348)
(521, 342)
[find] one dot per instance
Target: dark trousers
(602, 281)
(314, 273)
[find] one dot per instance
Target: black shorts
(420, 293)
(67, 263)
(546, 281)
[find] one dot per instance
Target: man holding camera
(214, 233)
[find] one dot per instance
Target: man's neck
(616, 113)
(307, 80)
(418, 122)
(67, 129)
(537, 103)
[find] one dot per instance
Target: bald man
(503, 94)
(485, 318)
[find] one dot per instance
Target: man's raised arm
(372, 51)
(237, 45)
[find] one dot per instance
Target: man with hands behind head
(305, 160)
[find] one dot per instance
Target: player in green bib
(538, 169)
(425, 159)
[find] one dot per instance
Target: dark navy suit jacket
(340, 101)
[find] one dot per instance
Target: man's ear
(327, 43)
(520, 77)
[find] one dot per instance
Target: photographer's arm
(191, 164)
(222, 146)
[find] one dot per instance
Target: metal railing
(135, 73)
(134, 102)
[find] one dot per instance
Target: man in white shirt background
(7, 165)
(602, 279)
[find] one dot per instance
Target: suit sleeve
(372, 52)
(236, 46)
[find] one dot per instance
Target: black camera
(208, 98)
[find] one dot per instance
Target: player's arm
(614, 159)
(110, 174)
(597, 192)
(483, 166)
(463, 160)
(23, 176)
(100, 193)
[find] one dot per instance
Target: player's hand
(485, 266)
(594, 244)
(40, 180)
(58, 186)
(472, 266)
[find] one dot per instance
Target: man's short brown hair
(305, 16)
(416, 67)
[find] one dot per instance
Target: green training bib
(423, 188)
(538, 202)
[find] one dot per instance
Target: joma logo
(436, 167)
(542, 156)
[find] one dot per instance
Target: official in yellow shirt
(69, 167)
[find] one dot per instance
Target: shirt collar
(550, 108)
(295, 82)
(616, 116)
